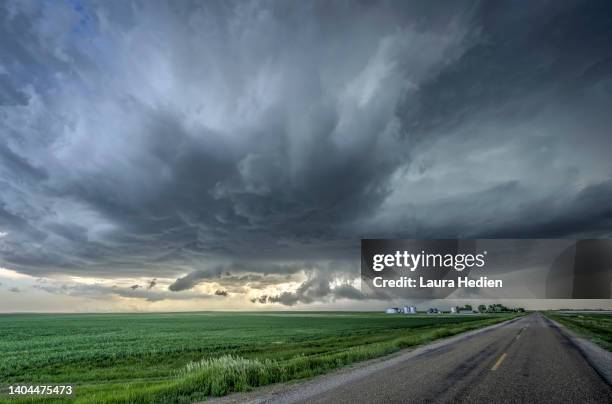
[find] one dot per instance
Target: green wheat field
(185, 357)
(595, 326)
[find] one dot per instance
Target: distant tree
(468, 307)
(482, 308)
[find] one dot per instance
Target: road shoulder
(599, 358)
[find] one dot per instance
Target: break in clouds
(253, 143)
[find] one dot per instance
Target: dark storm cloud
(154, 139)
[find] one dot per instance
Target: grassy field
(595, 326)
(190, 356)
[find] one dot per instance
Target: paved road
(526, 361)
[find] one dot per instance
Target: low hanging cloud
(194, 278)
(316, 288)
(261, 299)
(256, 275)
(99, 291)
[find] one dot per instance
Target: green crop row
(597, 327)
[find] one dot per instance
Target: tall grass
(596, 326)
(220, 376)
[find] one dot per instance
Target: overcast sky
(218, 154)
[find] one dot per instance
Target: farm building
(393, 310)
(409, 310)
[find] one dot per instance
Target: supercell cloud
(253, 143)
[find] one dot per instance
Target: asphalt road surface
(526, 361)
